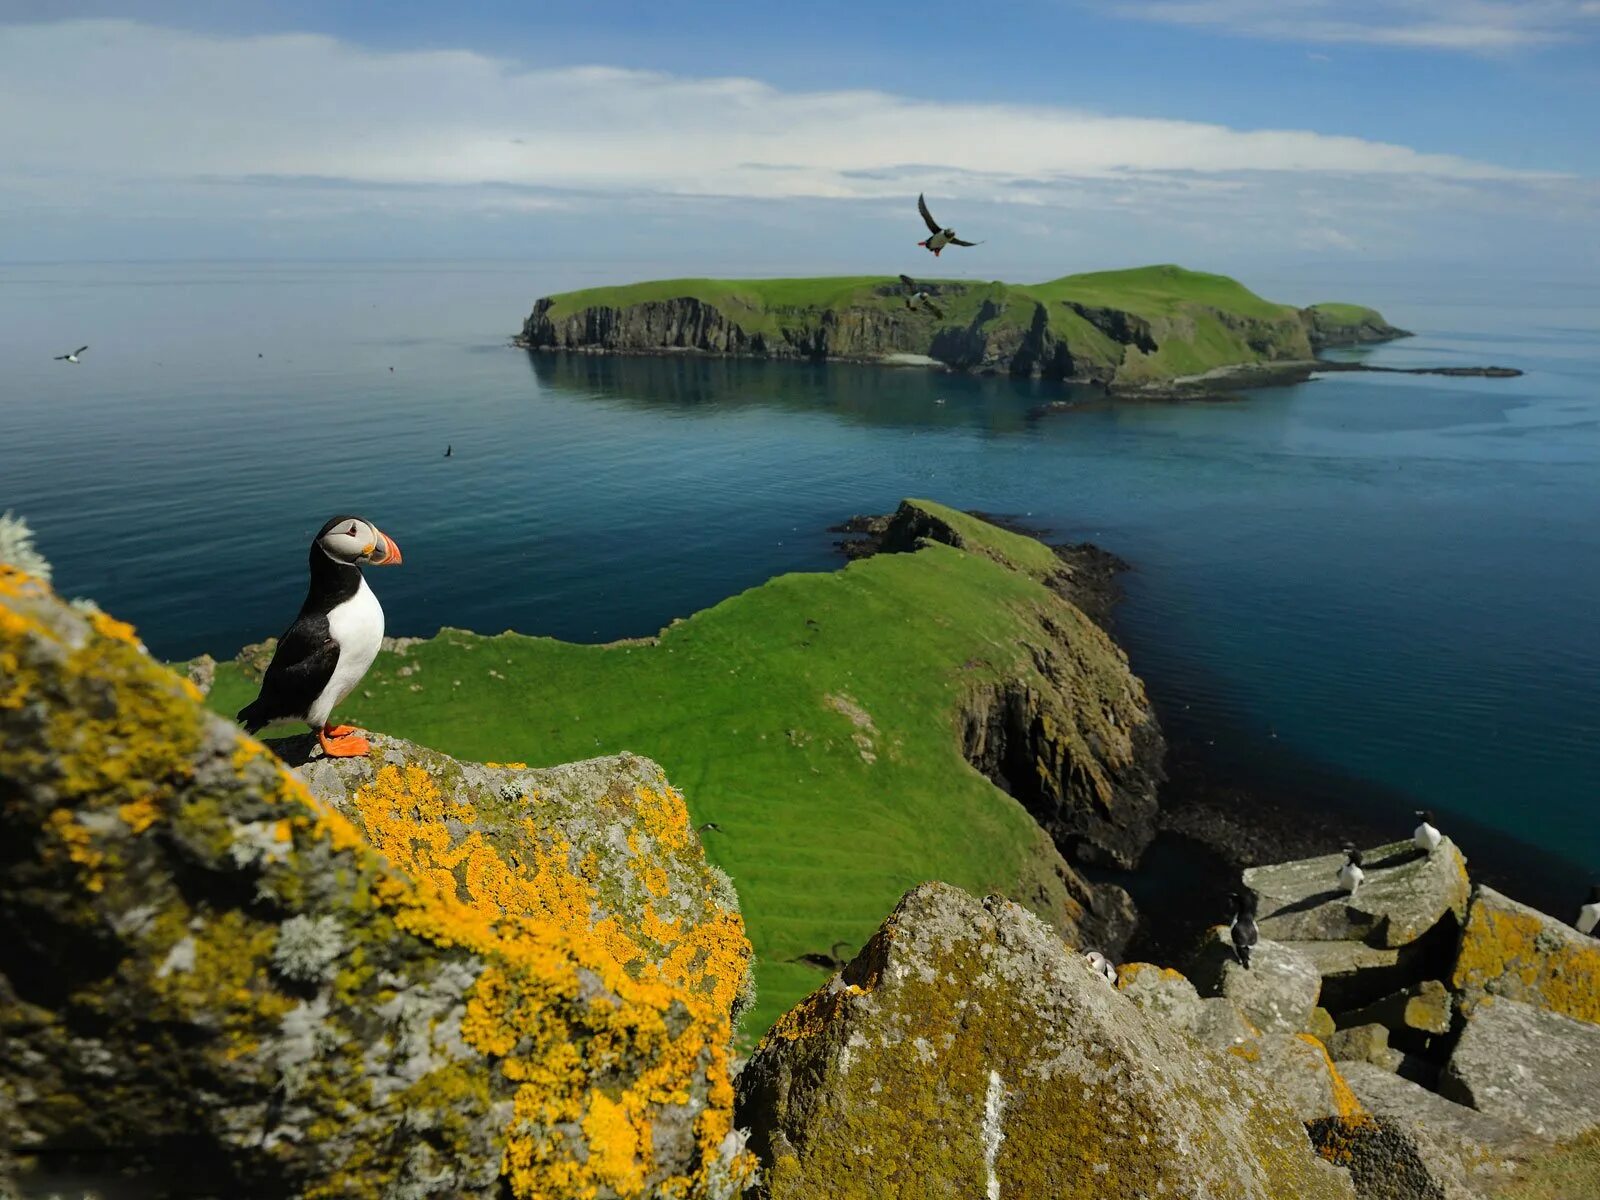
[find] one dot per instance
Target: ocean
(1374, 591)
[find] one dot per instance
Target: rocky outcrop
(1511, 950)
(1532, 1068)
(1277, 992)
(1330, 325)
(966, 1052)
(415, 977)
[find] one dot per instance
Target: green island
(817, 722)
(1131, 330)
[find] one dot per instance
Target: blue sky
(1438, 132)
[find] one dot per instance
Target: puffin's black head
(1355, 857)
(1238, 905)
(1426, 814)
(358, 542)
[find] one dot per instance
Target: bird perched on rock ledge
(329, 648)
(1351, 874)
(1242, 929)
(1102, 966)
(1426, 837)
(1589, 915)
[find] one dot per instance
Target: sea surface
(1380, 588)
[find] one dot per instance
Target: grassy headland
(815, 720)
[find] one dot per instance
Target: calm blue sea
(1386, 585)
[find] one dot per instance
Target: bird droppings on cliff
(1242, 928)
(939, 237)
(333, 641)
(1426, 837)
(1350, 874)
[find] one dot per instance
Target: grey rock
(1365, 1043)
(1301, 1073)
(1532, 1068)
(1421, 1145)
(1163, 993)
(1424, 1007)
(966, 1052)
(1221, 1025)
(1405, 894)
(1277, 992)
(1511, 950)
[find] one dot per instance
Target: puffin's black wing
(934, 309)
(300, 669)
(922, 207)
(80, 349)
(959, 242)
(909, 282)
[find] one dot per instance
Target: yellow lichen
(80, 848)
(1344, 1098)
(112, 628)
(139, 814)
(1507, 951)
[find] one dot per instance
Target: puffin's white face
(358, 542)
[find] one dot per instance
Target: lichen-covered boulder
(1531, 1067)
(1511, 950)
(210, 974)
(1277, 991)
(1418, 1145)
(967, 1053)
(1405, 894)
(1302, 1074)
(1366, 1044)
(1221, 1025)
(1163, 993)
(1321, 1025)
(1424, 1007)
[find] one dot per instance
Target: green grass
(1568, 1172)
(754, 707)
(1347, 314)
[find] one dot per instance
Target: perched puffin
(1101, 965)
(1243, 926)
(1589, 915)
(1351, 874)
(71, 358)
(918, 297)
(942, 237)
(1426, 838)
(324, 654)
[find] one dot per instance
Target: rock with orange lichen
(1511, 950)
(213, 979)
(966, 1052)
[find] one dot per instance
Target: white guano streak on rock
(993, 1135)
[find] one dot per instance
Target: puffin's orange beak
(387, 554)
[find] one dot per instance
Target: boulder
(1406, 893)
(1221, 1025)
(1533, 1068)
(1162, 992)
(1511, 950)
(1424, 1007)
(1301, 1073)
(1277, 992)
(1418, 1144)
(479, 984)
(1367, 1044)
(967, 1053)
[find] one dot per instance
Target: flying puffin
(1426, 837)
(1589, 915)
(942, 237)
(918, 297)
(1242, 929)
(71, 358)
(1351, 874)
(1101, 965)
(324, 654)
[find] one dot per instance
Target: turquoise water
(1381, 587)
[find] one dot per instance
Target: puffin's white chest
(1426, 838)
(938, 241)
(1588, 917)
(356, 627)
(1350, 877)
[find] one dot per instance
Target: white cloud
(1474, 26)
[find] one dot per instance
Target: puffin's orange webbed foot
(338, 731)
(349, 745)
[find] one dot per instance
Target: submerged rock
(1531, 1067)
(966, 1053)
(1511, 950)
(212, 977)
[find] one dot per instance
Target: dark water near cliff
(1380, 589)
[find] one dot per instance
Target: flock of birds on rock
(1242, 906)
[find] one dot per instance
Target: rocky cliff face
(413, 977)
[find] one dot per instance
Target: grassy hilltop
(1128, 328)
(815, 719)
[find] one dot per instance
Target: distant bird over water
(1351, 874)
(1426, 837)
(1242, 929)
(71, 358)
(329, 648)
(941, 237)
(918, 298)
(1589, 915)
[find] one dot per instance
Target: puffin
(1351, 874)
(918, 297)
(1426, 837)
(942, 237)
(330, 646)
(1101, 966)
(1589, 915)
(1242, 929)
(70, 358)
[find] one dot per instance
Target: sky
(1416, 135)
